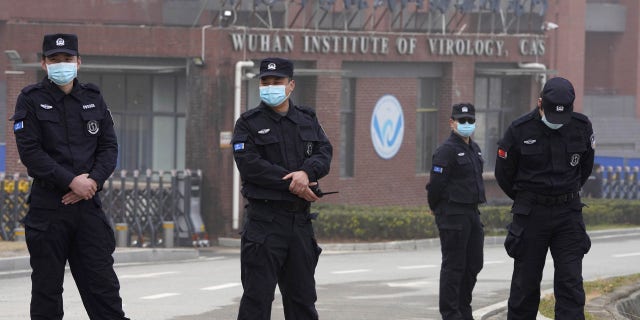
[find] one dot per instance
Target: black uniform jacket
(268, 146)
(541, 160)
(60, 136)
(456, 175)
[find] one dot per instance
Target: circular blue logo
(387, 126)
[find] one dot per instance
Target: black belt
(554, 200)
(293, 206)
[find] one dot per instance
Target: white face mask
(62, 73)
(553, 126)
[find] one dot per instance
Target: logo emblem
(18, 126)
(559, 108)
(309, 149)
(264, 131)
(387, 126)
(271, 66)
(461, 154)
(59, 42)
(465, 109)
(575, 159)
(530, 141)
(502, 153)
(45, 106)
(93, 126)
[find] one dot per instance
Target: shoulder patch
(91, 87)
(307, 110)
(32, 87)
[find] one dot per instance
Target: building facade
(382, 76)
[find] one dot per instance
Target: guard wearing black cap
(543, 160)
(455, 189)
(65, 137)
(281, 152)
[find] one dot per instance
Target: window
(149, 115)
(347, 127)
(498, 101)
(427, 123)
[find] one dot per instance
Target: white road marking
(160, 296)
(424, 266)
(624, 255)
(413, 284)
(222, 286)
(146, 275)
(351, 271)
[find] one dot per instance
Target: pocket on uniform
(449, 235)
(513, 242)
(586, 242)
(35, 234)
(256, 229)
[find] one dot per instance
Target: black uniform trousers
(462, 243)
(539, 225)
(278, 247)
(80, 234)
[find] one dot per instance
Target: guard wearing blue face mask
(281, 152)
(65, 137)
(543, 160)
(455, 189)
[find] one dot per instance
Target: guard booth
(189, 226)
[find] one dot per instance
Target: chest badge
(45, 106)
(461, 154)
(530, 141)
(264, 131)
(575, 159)
(93, 127)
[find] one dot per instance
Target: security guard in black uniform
(65, 138)
(454, 191)
(543, 160)
(281, 152)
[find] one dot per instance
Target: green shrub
(365, 223)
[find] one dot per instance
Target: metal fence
(147, 209)
(620, 182)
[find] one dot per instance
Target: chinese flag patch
(502, 153)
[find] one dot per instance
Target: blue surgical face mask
(62, 73)
(273, 95)
(466, 129)
(551, 125)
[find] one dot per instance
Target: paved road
(373, 285)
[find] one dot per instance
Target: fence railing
(620, 182)
(149, 206)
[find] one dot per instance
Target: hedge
(365, 223)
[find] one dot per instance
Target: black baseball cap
(463, 110)
(277, 67)
(557, 100)
(60, 42)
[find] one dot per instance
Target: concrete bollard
(122, 232)
(18, 234)
(168, 227)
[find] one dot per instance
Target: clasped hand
(300, 185)
(82, 188)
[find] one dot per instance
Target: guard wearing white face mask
(281, 152)
(543, 160)
(455, 189)
(65, 137)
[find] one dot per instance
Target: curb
(120, 256)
